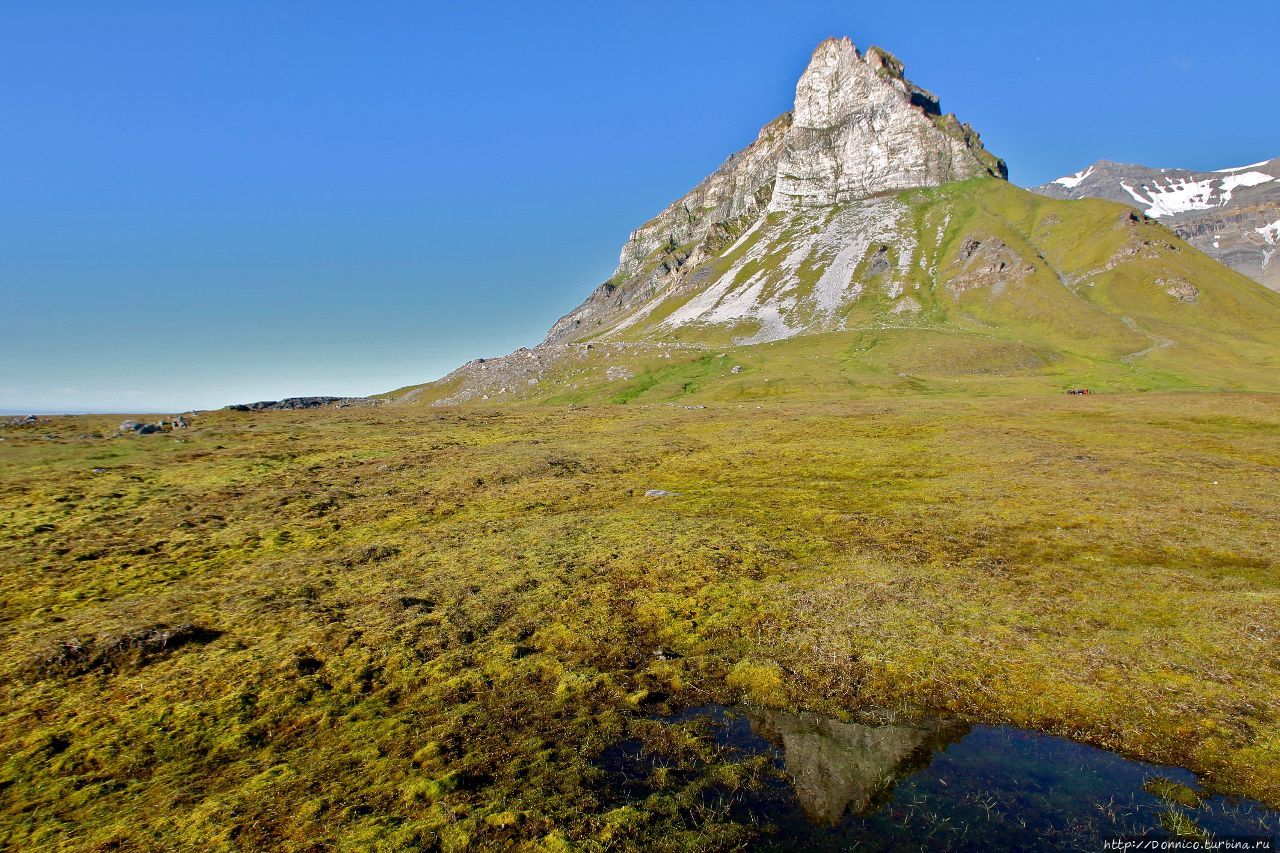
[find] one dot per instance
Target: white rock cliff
(860, 128)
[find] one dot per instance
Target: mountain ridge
(1232, 214)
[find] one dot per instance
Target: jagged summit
(859, 128)
(871, 241)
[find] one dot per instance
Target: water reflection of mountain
(838, 767)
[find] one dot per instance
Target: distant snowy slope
(1230, 214)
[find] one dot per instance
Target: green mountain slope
(972, 286)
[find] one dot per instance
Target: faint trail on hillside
(1157, 341)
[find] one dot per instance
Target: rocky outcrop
(986, 263)
(132, 427)
(1232, 215)
(707, 218)
(293, 403)
(859, 128)
(1179, 288)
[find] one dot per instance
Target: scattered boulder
(737, 368)
(140, 427)
(659, 493)
(1179, 288)
(879, 263)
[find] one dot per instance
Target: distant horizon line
(51, 413)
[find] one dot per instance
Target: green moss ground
(433, 622)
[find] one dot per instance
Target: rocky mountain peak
(831, 86)
(861, 127)
(840, 82)
(834, 226)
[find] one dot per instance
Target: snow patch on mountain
(1248, 179)
(1183, 194)
(1179, 196)
(1242, 168)
(1073, 181)
(1218, 212)
(1270, 233)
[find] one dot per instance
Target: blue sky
(214, 203)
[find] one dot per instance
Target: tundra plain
(386, 628)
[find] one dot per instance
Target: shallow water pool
(838, 785)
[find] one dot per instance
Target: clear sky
(211, 203)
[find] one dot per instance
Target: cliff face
(858, 128)
(1232, 215)
(861, 128)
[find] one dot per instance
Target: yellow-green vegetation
(381, 628)
(1174, 793)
